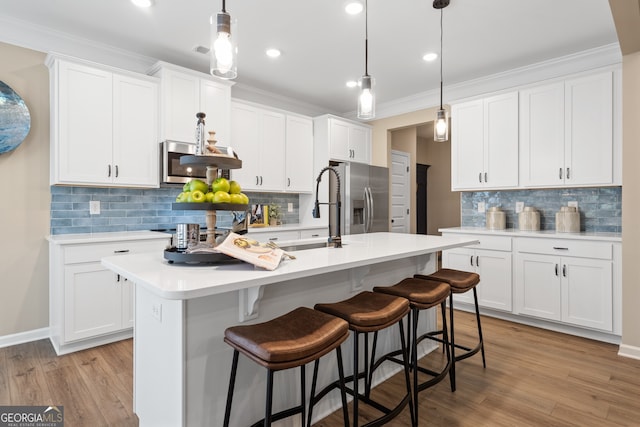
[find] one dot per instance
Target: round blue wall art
(15, 120)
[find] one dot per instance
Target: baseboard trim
(23, 337)
(630, 351)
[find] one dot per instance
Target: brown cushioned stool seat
(422, 294)
(291, 340)
(371, 312)
(460, 282)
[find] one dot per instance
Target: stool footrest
(280, 416)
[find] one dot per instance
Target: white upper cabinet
(484, 143)
(276, 148)
(103, 126)
(299, 154)
(347, 141)
(184, 93)
(567, 133)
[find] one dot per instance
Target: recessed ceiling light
(352, 83)
(142, 3)
(273, 53)
(354, 7)
(430, 57)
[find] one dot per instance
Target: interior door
(400, 188)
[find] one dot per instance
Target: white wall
(25, 200)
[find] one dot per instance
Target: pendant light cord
(366, 38)
(441, 58)
(224, 8)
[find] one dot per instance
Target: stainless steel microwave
(171, 171)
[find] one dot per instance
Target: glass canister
(568, 220)
(496, 219)
(529, 219)
(201, 143)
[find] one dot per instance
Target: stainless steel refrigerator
(365, 198)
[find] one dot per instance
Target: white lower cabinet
(89, 304)
(576, 290)
(492, 264)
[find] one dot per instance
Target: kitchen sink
(292, 247)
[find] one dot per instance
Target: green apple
(197, 196)
(186, 186)
(245, 199)
(236, 198)
(197, 184)
(221, 197)
(234, 187)
(209, 196)
(183, 197)
(220, 184)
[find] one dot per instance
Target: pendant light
(367, 98)
(441, 124)
(223, 46)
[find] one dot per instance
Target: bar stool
(371, 312)
(422, 294)
(294, 339)
(460, 282)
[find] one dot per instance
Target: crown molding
(35, 37)
(260, 96)
(546, 70)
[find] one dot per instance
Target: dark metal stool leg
(303, 386)
(452, 370)
(475, 297)
(313, 392)
(356, 353)
(343, 394)
(232, 381)
(269, 403)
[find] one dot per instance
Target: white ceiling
(323, 47)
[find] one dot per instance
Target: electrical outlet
(289, 207)
(519, 207)
(481, 207)
(94, 207)
(573, 203)
(156, 311)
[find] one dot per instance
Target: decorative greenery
(274, 211)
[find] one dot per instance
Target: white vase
(496, 219)
(568, 220)
(529, 219)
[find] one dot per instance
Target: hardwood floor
(533, 378)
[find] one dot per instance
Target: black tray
(209, 206)
(174, 256)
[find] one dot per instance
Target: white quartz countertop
(286, 227)
(72, 239)
(548, 234)
(186, 281)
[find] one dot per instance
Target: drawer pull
(315, 235)
(558, 248)
(122, 251)
(273, 238)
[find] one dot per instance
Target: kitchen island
(181, 364)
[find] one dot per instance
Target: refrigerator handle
(370, 200)
(366, 210)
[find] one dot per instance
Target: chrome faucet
(335, 241)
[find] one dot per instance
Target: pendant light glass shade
(367, 98)
(224, 51)
(441, 126)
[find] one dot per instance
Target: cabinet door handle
(471, 260)
(117, 171)
(257, 180)
(558, 248)
(564, 270)
(288, 182)
(122, 251)
(477, 261)
(560, 173)
(117, 277)
(109, 171)
(556, 269)
(479, 176)
(485, 177)
(260, 179)
(568, 173)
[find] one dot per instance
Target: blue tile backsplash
(600, 208)
(126, 209)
